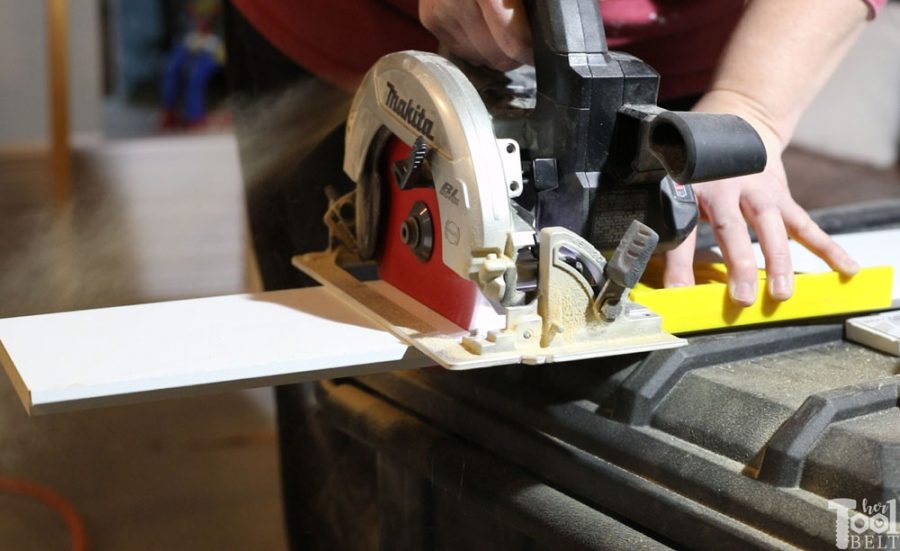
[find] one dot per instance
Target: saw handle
(559, 31)
(568, 37)
(601, 147)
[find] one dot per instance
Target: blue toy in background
(190, 66)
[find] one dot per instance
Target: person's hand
(764, 202)
(492, 33)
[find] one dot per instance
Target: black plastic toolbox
(738, 440)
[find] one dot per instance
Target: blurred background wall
(23, 79)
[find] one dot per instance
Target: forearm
(780, 55)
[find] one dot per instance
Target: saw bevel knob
(417, 231)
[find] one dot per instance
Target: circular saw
(506, 216)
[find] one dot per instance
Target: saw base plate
(440, 339)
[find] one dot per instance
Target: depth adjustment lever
(625, 268)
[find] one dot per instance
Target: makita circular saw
(486, 201)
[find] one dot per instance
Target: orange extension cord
(58, 503)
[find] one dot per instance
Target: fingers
(479, 35)
(773, 240)
(802, 228)
(447, 29)
(508, 25)
(773, 223)
(463, 28)
(445, 25)
(731, 233)
(679, 271)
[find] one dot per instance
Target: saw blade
(429, 281)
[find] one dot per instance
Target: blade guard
(417, 94)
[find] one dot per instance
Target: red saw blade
(430, 282)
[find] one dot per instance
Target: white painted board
(110, 356)
(73, 360)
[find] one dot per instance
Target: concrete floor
(151, 220)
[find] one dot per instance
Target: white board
(73, 360)
(110, 356)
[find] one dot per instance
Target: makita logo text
(412, 113)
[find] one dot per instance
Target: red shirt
(340, 39)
